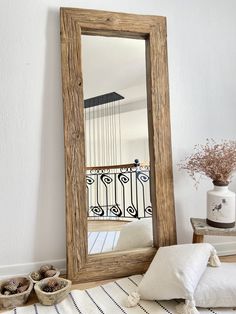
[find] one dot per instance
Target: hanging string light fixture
(103, 130)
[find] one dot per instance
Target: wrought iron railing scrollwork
(119, 192)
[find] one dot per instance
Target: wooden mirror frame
(82, 267)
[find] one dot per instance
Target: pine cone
(47, 289)
(57, 287)
(17, 281)
(22, 288)
(11, 287)
(50, 273)
(52, 285)
(6, 292)
(52, 282)
(36, 276)
(22, 282)
(44, 268)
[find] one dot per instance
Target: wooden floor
(228, 259)
(106, 225)
(82, 286)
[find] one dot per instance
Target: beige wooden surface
(200, 227)
(75, 22)
(106, 225)
(198, 238)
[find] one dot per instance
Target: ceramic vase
(221, 206)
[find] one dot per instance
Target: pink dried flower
(215, 161)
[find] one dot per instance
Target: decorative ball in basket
(45, 271)
(14, 292)
(52, 290)
(217, 162)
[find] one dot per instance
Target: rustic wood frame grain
(82, 267)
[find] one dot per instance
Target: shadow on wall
(184, 198)
(49, 234)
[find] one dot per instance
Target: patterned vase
(221, 206)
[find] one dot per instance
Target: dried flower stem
(215, 161)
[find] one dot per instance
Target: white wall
(202, 67)
(104, 146)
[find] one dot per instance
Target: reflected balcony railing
(119, 191)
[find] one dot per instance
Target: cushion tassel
(187, 308)
(214, 260)
(133, 299)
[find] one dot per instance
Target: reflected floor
(102, 241)
(103, 235)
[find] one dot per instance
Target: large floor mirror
(119, 187)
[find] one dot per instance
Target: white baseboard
(225, 248)
(25, 269)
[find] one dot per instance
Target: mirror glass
(117, 153)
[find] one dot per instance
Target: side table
(201, 228)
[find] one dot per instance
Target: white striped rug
(103, 241)
(108, 299)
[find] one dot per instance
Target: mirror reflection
(117, 153)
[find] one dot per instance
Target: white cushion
(135, 234)
(174, 273)
(217, 287)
